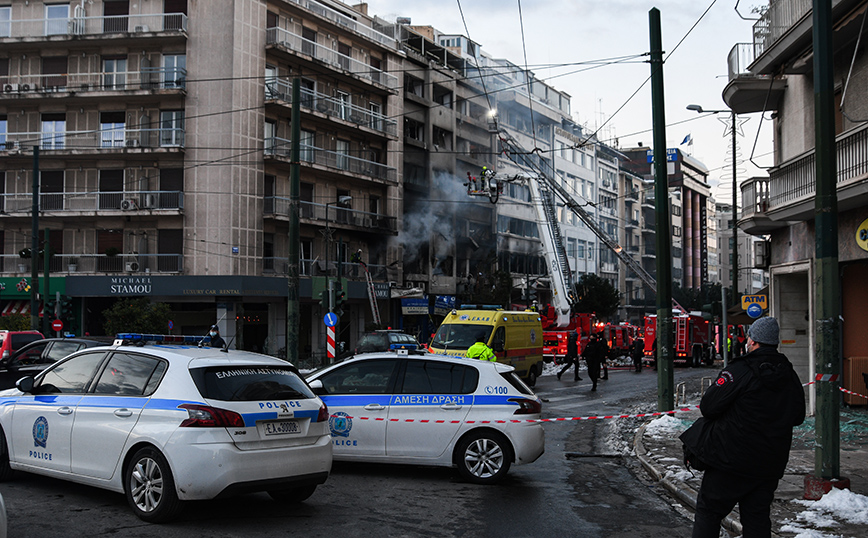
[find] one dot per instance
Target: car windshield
(372, 342)
(460, 336)
(250, 383)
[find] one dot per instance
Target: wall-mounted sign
(862, 235)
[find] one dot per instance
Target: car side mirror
(25, 384)
(316, 386)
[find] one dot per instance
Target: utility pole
(665, 375)
(46, 284)
(292, 306)
(827, 469)
(735, 294)
(34, 246)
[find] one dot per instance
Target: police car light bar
(142, 339)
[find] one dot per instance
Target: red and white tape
(826, 377)
(539, 420)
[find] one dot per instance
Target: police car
(419, 408)
(168, 423)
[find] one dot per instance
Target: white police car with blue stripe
(419, 408)
(168, 423)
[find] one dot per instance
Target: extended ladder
(372, 296)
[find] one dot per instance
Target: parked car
(400, 407)
(168, 423)
(39, 355)
(386, 340)
(12, 341)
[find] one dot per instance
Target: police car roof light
(141, 339)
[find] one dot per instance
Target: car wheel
(293, 495)
(150, 488)
(5, 469)
(484, 457)
(531, 376)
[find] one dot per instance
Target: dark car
(386, 340)
(39, 355)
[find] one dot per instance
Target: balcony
(317, 267)
(359, 70)
(747, 92)
(71, 84)
(97, 263)
(95, 141)
(345, 22)
(789, 194)
(330, 106)
(20, 204)
(333, 160)
(38, 30)
(333, 215)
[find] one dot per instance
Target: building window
(676, 210)
(270, 134)
(414, 86)
(5, 21)
(307, 143)
(174, 70)
(171, 128)
(114, 73)
(53, 131)
(112, 129)
(676, 231)
(3, 131)
(57, 19)
(342, 148)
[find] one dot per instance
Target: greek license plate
(283, 427)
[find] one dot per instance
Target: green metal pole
(46, 285)
(34, 246)
(735, 294)
(828, 331)
(292, 302)
(665, 375)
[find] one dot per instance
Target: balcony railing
(317, 267)
(330, 106)
(118, 138)
(780, 16)
(277, 205)
(755, 196)
(332, 159)
(79, 26)
(346, 22)
(795, 179)
(94, 201)
(740, 57)
(156, 78)
(97, 263)
(285, 38)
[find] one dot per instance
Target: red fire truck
(619, 337)
(692, 339)
(555, 337)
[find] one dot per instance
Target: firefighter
(594, 355)
(480, 350)
(572, 358)
(636, 354)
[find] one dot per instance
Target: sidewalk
(659, 450)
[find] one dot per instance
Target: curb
(683, 493)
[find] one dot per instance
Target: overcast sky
(559, 32)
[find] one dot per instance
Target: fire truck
(693, 339)
(619, 337)
(555, 337)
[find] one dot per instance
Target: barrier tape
(538, 420)
(852, 393)
(826, 377)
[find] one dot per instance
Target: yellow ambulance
(515, 337)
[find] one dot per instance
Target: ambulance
(516, 337)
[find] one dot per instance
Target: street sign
(330, 319)
(761, 300)
(171, 325)
(754, 310)
(57, 325)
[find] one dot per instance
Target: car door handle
(123, 413)
(374, 407)
(450, 406)
(64, 411)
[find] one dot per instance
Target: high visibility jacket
(481, 351)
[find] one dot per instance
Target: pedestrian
(480, 349)
(637, 353)
(593, 355)
(572, 358)
(216, 341)
(744, 435)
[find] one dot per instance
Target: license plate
(283, 427)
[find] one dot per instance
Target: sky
(561, 32)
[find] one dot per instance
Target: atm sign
(748, 300)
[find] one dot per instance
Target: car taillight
(527, 406)
(323, 415)
(203, 416)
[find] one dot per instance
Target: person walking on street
(480, 350)
(216, 341)
(572, 357)
(637, 353)
(744, 435)
(593, 355)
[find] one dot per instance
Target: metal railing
(346, 22)
(780, 16)
(332, 159)
(79, 26)
(330, 213)
(147, 79)
(285, 38)
(95, 140)
(317, 267)
(755, 196)
(795, 180)
(97, 263)
(331, 106)
(741, 55)
(93, 201)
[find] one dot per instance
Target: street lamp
(328, 231)
(732, 114)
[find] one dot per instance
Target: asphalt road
(582, 486)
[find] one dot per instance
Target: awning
(18, 307)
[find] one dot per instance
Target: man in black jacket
(572, 357)
(745, 433)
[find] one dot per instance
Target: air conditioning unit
(132, 267)
(129, 204)
(11, 144)
(24, 87)
(9, 88)
(149, 201)
(143, 28)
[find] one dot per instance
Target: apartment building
(778, 64)
(163, 131)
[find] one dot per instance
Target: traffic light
(340, 297)
(51, 308)
(324, 299)
(66, 308)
